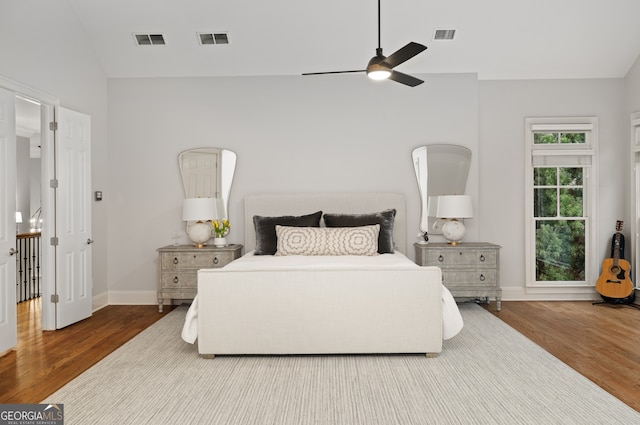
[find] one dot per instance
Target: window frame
(563, 155)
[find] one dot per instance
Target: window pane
(545, 138)
(544, 176)
(571, 202)
(571, 176)
(560, 250)
(545, 202)
(572, 138)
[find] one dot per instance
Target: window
(560, 202)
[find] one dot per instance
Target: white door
(8, 320)
(73, 218)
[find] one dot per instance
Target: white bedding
(452, 320)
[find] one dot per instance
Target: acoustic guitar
(614, 282)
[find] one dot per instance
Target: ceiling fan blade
(404, 54)
(405, 79)
(333, 72)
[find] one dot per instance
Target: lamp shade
(454, 206)
(198, 209)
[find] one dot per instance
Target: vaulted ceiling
(498, 39)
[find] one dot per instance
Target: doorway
(65, 201)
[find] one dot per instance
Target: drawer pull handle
(440, 258)
(215, 260)
(175, 279)
(175, 260)
(482, 257)
(482, 278)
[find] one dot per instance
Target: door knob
(89, 241)
(12, 252)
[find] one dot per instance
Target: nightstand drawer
(181, 280)
(462, 257)
(453, 278)
(195, 260)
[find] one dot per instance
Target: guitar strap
(613, 246)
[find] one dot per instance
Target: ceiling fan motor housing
(376, 68)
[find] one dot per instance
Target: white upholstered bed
(266, 304)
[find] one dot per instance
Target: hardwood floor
(44, 361)
(601, 342)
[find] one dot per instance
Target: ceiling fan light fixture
(381, 74)
(377, 70)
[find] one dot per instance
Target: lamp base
(199, 233)
(453, 231)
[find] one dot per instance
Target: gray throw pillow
(266, 239)
(384, 218)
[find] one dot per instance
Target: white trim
(100, 301)
(562, 127)
(47, 200)
(49, 104)
(28, 92)
(568, 150)
(518, 293)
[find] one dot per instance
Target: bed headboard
(347, 203)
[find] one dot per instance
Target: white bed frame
(320, 311)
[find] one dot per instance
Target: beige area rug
(488, 374)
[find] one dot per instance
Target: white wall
(504, 105)
(633, 87)
(43, 47)
(291, 134)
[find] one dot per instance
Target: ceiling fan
(381, 67)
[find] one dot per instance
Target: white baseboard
(100, 301)
(518, 293)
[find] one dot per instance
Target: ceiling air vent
(149, 39)
(444, 34)
(213, 38)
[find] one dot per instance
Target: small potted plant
(221, 230)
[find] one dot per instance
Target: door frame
(49, 105)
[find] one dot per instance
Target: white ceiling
(498, 39)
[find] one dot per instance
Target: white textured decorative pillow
(362, 240)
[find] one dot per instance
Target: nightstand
(179, 265)
(469, 270)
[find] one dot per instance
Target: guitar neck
(616, 250)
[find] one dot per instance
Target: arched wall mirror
(440, 170)
(208, 173)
